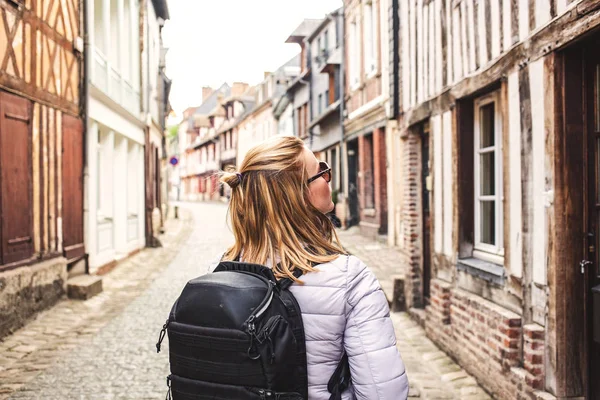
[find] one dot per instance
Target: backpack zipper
(259, 311)
(168, 397)
(162, 334)
(262, 307)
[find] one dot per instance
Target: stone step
(84, 287)
(418, 315)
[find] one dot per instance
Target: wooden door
(72, 187)
(353, 207)
(426, 204)
(590, 266)
(16, 233)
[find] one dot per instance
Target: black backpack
(237, 334)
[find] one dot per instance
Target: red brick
(534, 359)
(512, 333)
(510, 343)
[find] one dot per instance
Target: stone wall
(488, 341)
(27, 290)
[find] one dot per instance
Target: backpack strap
(285, 283)
(340, 380)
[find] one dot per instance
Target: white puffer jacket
(344, 308)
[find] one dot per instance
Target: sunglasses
(324, 171)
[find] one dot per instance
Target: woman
(279, 199)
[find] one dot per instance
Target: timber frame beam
(571, 26)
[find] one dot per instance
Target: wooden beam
(477, 33)
(425, 52)
(31, 92)
(413, 52)
(558, 34)
(568, 213)
(531, 15)
(526, 186)
(472, 29)
(444, 39)
(500, 8)
(456, 48)
(462, 14)
(514, 21)
(488, 30)
(439, 54)
(420, 52)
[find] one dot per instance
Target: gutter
(343, 165)
(85, 89)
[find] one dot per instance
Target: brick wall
(372, 184)
(488, 341)
(412, 220)
(380, 171)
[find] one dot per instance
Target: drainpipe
(147, 17)
(343, 156)
(85, 106)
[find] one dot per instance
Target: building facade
(41, 155)
(154, 104)
(365, 122)
(263, 120)
(298, 91)
(499, 119)
(115, 216)
(325, 128)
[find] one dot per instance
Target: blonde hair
(270, 212)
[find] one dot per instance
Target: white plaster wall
(539, 234)
(105, 115)
(438, 194)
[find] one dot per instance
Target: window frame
(486, 251)
(353, 56)
(370, 27)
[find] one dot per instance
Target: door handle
(583, 264)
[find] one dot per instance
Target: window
(488, 178)
(326, 40)
(326, 98)
(319, 50)
(132, 179)
(353, 55)
(369, 36)
(320, 104)
(337, 32)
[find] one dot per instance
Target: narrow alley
(104, 348)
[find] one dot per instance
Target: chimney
(266, 74)
(206, 92)
(239, 88)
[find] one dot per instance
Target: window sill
(482, 269)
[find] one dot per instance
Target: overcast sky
(211, 42)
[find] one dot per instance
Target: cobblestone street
(104, 348)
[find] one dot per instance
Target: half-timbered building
(499, 118)
(365, 118)
(41, 154)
